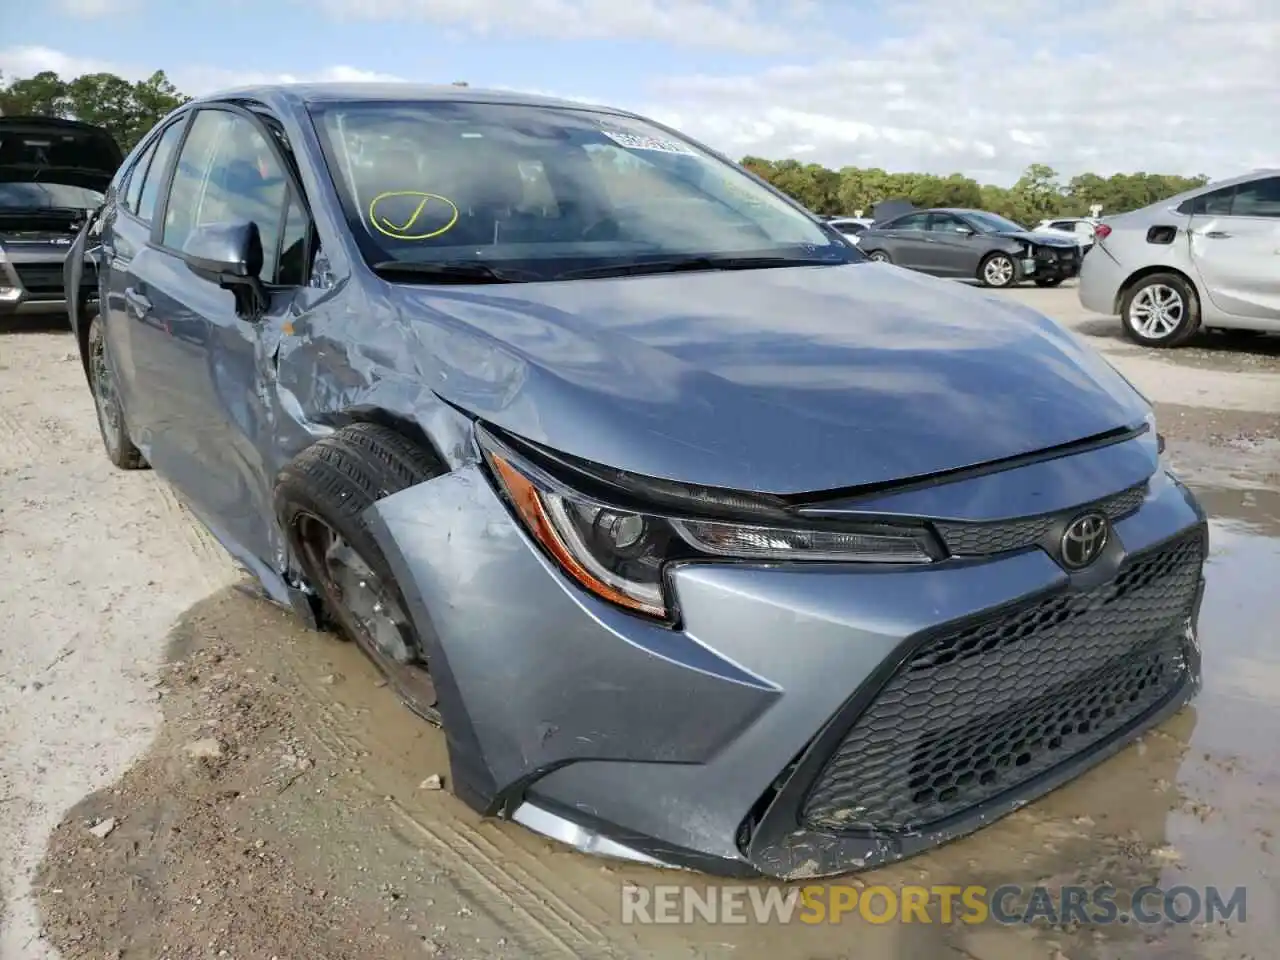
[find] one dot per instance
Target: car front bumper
(1055, 264)
(31, 283)
(805, 720)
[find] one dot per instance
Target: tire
(1178, 305)
(320, 499)
(879, 256)
(106, 401)
(1048, 281)
(998, 270)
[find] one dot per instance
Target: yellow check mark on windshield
(400, 231)
(413, 218)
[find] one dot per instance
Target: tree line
(1038, 195)
(130, 108)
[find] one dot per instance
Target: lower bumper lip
(629, 740)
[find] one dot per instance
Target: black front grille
(985, 539)
(40, 277)
(975, 712)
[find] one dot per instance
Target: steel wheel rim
(369, 610)
(378, 621)
(104, 394)
(998, 271)
(1156, 311)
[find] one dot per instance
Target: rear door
(126, 232)
(213, 423)
(905, 239)
(1235, 246)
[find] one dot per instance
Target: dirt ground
(185, 771)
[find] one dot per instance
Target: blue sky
(983, 87)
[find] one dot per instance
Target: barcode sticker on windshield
(634, 141)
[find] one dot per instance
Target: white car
(1080, 229)
(851, 227)
(1208, 258)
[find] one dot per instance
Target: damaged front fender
(526, 682)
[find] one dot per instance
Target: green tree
(44, 95)
(127, 109)
(1038, 195)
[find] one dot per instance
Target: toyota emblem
(1084, 540)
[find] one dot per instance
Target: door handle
(140, 305)
(1217, 235)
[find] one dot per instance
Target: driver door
(213, 423)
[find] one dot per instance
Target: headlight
(618, 551)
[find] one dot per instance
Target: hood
(888, 209)
(775, 381)
(51, 150)
(1043, 238)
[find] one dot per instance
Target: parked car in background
(53, 174)
(1205, 259)
(1079, 229)
(647, 530)
(971, 244)
(851, 227)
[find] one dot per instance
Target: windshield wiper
(694, 263)
(447, 271)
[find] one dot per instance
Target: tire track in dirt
(17, 432)
(209, 559)
(484, 859)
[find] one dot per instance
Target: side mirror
(230, 254)
(966, 231)
(227, 252)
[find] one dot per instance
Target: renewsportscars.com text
(840, 903)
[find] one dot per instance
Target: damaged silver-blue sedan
(706, 541)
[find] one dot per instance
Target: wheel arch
(1149, 271)
(407, 427)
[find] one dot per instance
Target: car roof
(288, 95)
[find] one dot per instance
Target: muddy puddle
(287, 811)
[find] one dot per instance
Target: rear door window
(136, 176)
(1216, 203)
(912, 221)
(156, 170)
(1258, 199)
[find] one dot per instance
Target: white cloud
(726, 24)
(189, 78)
(984, 87)
(93, 9)
(990, 86)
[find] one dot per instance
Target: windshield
(28, 196)
(995, 223)
(550, 191)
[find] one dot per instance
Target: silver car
(1208, 258)
(706, 541)
(52, 176)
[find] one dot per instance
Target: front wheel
(1048, 281)
(115, 433)
(879, 256)
(1160, 310)
(997, 270)
(320, 500)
